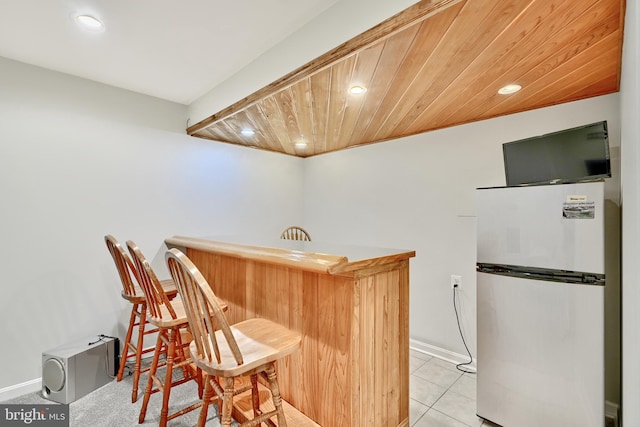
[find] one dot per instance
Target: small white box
(74, 370)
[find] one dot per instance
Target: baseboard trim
(34, 385)
(441, 353)
(17, 390)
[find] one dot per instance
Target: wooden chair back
(295, 233)
(153, 291)
(199, 301)
(124, 265)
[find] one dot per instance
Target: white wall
(630, 112)
(79, 160)
(419, 193)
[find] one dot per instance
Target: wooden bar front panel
(353, 365)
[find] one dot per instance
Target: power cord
(459, 365)
(101, 338)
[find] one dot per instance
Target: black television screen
(571, 155)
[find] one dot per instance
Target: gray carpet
(111, 405)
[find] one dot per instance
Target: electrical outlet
(456, 281)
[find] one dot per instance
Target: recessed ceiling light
(301, 144)
(509, 89)
(357, 90)
(89, 22)
(247, 132)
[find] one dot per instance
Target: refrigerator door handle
(563, 276)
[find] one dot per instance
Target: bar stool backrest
(124, 266)
(156, 297)
(295, 233)
(199, 301)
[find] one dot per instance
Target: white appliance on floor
(540, 305)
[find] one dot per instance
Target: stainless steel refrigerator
(540, 305)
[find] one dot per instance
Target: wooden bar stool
(226, 353)
(173, 337)
(138, 319)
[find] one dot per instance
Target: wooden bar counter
(351, 306)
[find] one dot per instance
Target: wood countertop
(320, 257)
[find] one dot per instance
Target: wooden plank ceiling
(437, 64)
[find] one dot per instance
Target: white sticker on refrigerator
(579, 210)
(575, 198)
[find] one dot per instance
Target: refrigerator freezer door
(538, 226)
(540, 352)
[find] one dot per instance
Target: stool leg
(206, 400)
(168, 379)
(255, 395)
(181, 354)
(152, 374)
(125, 347)
(136, 369)
(199, 380)
(227, 402)
(275, 394)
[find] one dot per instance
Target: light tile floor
(441, 395)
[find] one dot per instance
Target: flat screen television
(572, 155)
